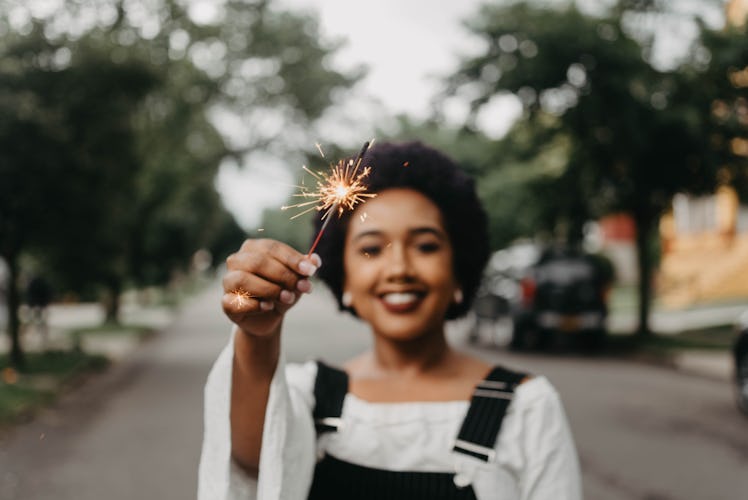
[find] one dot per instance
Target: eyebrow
(411, 232)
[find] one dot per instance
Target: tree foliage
(115, 118)
(611, 131)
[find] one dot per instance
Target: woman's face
(398, 264)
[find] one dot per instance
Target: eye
(429, 246)
(370, 250)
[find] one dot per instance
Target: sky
(407, 46)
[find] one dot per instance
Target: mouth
(401, 302)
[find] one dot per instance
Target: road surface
(643, 432)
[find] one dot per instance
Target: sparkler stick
(340, 190)
(342, 194)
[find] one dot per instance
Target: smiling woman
(413, 418)
(398, 266)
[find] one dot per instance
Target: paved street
(643, 432)
(649, 433)
(134, 433)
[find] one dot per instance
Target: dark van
(564, 301)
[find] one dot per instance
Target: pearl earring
(347, 299)
(458, 296)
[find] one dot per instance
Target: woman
(412, 418)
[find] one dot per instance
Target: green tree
(114, 124)
(634, 134)
(511, 174)
(65, 152)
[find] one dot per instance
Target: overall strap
(491, 398)
(330, 388)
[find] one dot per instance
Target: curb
(710, 364)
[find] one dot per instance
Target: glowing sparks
(340, 190)
(241, 298)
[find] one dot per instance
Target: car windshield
(565, 271)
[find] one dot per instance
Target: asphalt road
(133, 433)
(643, 432)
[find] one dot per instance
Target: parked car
(499, 295)
(564, 301)
(740, 356)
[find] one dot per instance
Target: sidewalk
(707, 363)
(669, 322)
(62, 318)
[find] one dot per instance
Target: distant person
(411, 419)
(38, 298)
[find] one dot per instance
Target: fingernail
(307, 268)
(266, 305)
(317, 260)
(287, 297)
(304, 286)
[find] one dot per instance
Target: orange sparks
(241, 297)
(341, 189)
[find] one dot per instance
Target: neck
(411, 357)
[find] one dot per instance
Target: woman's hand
(263, 280)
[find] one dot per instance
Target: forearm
(254, 364)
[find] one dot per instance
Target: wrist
(256, 354)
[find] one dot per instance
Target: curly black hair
(417, 166)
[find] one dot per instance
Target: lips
(401, 302)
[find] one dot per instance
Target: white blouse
(535, 454)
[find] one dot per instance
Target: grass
(17, 401)
(45, 375)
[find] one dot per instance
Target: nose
(398, 265)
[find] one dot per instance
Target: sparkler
(340, 190)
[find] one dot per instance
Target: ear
(347, 299)
(458, 297)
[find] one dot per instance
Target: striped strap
(330, 388)
(491, 398)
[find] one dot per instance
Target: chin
(406, 333)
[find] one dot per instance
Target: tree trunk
(644, 224)
(17, 357)
(112, 302)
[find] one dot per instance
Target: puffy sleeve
(552, 466)
(288, 451)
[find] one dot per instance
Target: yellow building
(736, 12)
(704, 250)
(705, 239)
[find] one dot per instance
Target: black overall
(334, 478)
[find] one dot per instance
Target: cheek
(441, 270)
(357, 272)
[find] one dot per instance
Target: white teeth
(399, 298)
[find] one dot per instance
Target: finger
(274, 261)
(294, 260)
(266, 266)
(238, 304)
(316, 260)
(251, 286)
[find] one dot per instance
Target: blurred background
(142, 140)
